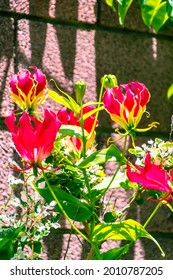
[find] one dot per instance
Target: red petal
(25, 81)
(40, 79)
(129, 100)
(112, 105)
(13, 83)
(151, 176)
(45, 134)
(63, 115)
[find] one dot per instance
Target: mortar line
(84, 25)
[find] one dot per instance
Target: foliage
(154, 13)
(62, 171)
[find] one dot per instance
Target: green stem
(119, 165)
(84, 154)
(63, 157)
(87, 182)
(63, 211)
(125, 144)
(69, 220)
(147, 222)
(99, 105)
(152, 214)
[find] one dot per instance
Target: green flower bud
(109, 81)
(80, 88)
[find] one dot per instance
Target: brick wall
(72, 40)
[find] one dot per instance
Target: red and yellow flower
(28, 90)
(152, 177)
(89, 124)
(126, 104)
(33, 139)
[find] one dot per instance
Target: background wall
(72, 40)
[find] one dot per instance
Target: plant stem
(67, 217)
(125, 144)
(119, 165)
(99, 105)
(87, 182)
(62, 209)
(152, 214)
(84, 155)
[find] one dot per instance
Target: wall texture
(72, 40)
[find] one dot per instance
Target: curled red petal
(151, 176)
(111, 104)
(13, 83)
(63, 115)
(25, 81)
(40, 80)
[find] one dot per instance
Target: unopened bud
(109, 81)
(80, 88)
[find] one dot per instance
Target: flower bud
(80, 88)
(109, 81)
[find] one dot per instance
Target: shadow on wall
(6, 51)
(66, 40)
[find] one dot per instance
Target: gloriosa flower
(126, 104)
(152, 177)
(70, 119)
(34, 139)
(28, 90)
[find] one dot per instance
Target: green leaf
(129, 230)
(154, 13)
(116, 183)
(137, 151)
(9, 234)
(123, 7)
(103, 156)
(170, 91)
(169, 8)
(73, 130)
(69, 102)
(8, 242)
(90, 113)
(160, 18)
(37, 247)
(115, 253)
(111, 4)
(99, 190)
(75, 208)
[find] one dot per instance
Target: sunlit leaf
(102, 156)
(169, 8)
(154, 13)
(115, 253)
(123, 7)
(99, 190)
(69, 102)
(170, 91)
(111, 4)
(90, 113)
(73, 130)
(129, 230)
(75, 208)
